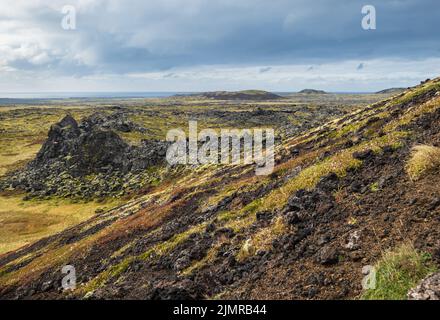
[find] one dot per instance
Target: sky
(206, 45)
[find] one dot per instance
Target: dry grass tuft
(262, 240)
(424, 159)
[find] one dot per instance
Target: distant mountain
(392, 90)
(238, 95)
(312, 91)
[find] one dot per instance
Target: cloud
(333, 76)
(116, 37)
(170, 75)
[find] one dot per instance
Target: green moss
(309, 177)
(167, 246)
(249, 209)
(412, 114)
(3, 271)
(338, 163)
(374, 187)
(348, 128)
(113, 272)
(397, 272)
(417, 92)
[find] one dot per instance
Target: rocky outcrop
(88, 159)
(428, 289)
(117, 121)
(81, 151)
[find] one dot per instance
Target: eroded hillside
(56, 172)
(340, 196)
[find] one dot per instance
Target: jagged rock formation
(82, 150)
(116, 121)
(88, 159)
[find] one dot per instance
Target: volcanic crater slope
(339, 197)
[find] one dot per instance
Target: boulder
(428, 289)
(328, 255)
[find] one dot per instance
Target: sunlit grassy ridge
(306, 179)
(424, 159)
(340, 162)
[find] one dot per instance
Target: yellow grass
(24, 222)
(16, 156)
(424, 159)
(262, 240)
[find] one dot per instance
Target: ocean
(85, 95)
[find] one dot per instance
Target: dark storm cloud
(141, 36)
(222, 32)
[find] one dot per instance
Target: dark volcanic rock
(100, 149)
(116, 121)
(59, 141)
(85, 150)
(91, 149)
(363, 155)
(327, 256)
(185, 290)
